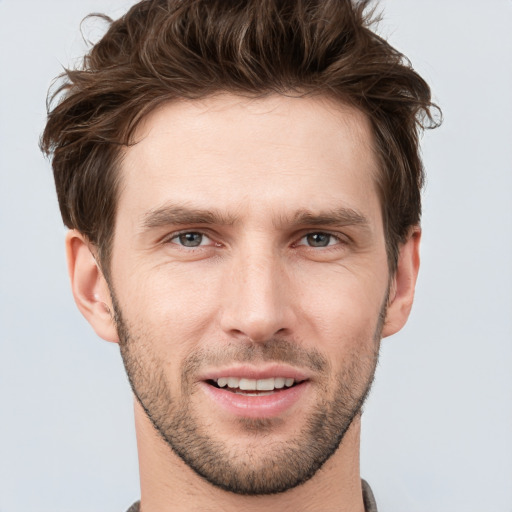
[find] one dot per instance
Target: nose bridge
(257, 302)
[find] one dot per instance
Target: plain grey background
(437, 431)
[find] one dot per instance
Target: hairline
(338, 100)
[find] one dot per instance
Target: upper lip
(256, 372)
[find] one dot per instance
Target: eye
(319, 239)
(190, 239)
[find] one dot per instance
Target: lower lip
(263, 406)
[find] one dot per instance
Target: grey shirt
(368, 499)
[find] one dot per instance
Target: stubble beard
(265, 467)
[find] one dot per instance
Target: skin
(277, 172)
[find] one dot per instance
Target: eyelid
(341, 238)
(168, 239)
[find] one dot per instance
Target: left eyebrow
(335, 217)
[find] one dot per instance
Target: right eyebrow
(172, 214)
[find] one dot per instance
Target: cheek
(171, 305)
(178, 306)
(345, 310)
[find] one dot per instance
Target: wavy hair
(162, 50)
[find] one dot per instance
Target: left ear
(403, 283)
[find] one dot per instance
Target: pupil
(318, 239)
(191, 239)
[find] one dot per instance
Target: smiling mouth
(254, 387)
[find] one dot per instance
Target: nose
(258, 299)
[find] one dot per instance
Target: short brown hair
(167, 49)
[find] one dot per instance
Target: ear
(403, 283)
(90, 289)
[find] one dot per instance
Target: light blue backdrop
(437, 432)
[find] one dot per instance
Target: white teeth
(265, 384)
(255, 385)
(279, 382)
(247, 384)
(248, 393)
(223, 381)
(233, 382)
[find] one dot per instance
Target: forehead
(276, 152)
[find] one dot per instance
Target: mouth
(253, 392)
(254, 387)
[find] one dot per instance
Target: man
(241, 180)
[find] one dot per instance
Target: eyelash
(337, 237)
(174, 236)
(331, 236)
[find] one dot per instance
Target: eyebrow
(172, 214)
(335, 217)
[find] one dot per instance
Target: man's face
(249, 253)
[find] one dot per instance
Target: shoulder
(135, 507)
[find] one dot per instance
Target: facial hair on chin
(271, 467)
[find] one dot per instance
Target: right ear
(89, 286)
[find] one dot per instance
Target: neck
(169, 485)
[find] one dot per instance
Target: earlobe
(89, 286)
(401, 291)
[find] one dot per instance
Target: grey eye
(190, 239)
(318, 239)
